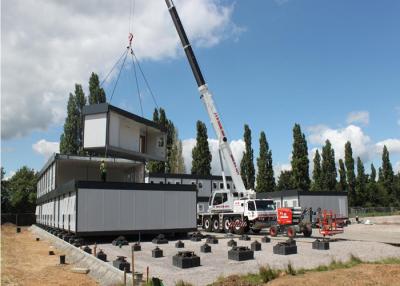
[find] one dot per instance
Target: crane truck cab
(238, 213)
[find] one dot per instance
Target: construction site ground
(371, 245)
(26, 262)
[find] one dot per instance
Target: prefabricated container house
(115, 132)
(205, 185)
(335, 201)
(72, 197)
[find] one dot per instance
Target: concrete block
(320, 244)
(232, 243)
(157, 252)
(285, 248)
(160, 239)
(244, 237)
(255, 246)
(212, 240)
(266, 239)
(186, 259)
(240, 253)
(179, 244)
(122, 264)
(136, 247)
(205, 248)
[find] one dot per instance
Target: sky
(331, 66)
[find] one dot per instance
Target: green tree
(96, 93)
(201, 155)
(80, 101)
(5, 195)
(285, 181)
(247, 170)
(342, 186)
(387, 177)
(160, 117)
(317, 173)
(361, 193)
(351, 177)
(22, 190)
(329, 173)
(372, 199)
(69, 139)
(300, 162)
(265, 175)
(176, 163)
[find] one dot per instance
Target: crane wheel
(207, 224)
(291, 232)
(307, 230)
(273, 231)
(238, 226)
(215, 225)
(227, 225)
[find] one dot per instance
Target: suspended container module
(112, 131)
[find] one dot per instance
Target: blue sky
(274, 63)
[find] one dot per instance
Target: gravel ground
(216, 264)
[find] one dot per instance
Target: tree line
(364, 190)
(380, 188)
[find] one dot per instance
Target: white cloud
(279, 168)
(396, 167)
(361, 117)
(9, 175)
(47, 46)
(393, 146)
(360, 142)
(237, 147)
(46, 148)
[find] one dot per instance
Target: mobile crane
(236, 208)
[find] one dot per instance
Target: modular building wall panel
(338, 204)
(135, 210)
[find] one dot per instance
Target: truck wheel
(291, 232)
(227, 224)
(307, 230)
(215, 225)
(273, 231)
(207, 224)
(238, 228)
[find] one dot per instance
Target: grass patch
(266, 274)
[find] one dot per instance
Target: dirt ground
(24, 261)
(364, 274)
(360, 275)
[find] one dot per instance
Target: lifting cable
(135, 61)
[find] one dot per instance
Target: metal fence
(377, 211)
(18, 219)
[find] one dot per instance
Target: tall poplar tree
(265, 176)
(342, 186)
(96, 93)
(328, 167)
(317, 173)
(361, 195)
(160, 117)
(69, 138)
(300, 162)
(351, 177)
(387, 175)
(247, 164)
(80, 101)
(372, 197)
(201, 155)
